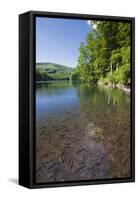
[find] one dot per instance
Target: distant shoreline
(126, 89)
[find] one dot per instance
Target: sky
(58, 40)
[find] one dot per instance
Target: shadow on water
(82, 132)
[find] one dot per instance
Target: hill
(52, 71)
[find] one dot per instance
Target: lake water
(82, 132)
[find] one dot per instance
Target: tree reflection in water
(82, 132)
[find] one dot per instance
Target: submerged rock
(98, 131)
(90, 129)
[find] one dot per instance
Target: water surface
(82, 132)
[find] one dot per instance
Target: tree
(106, 53)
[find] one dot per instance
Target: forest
(53, 71)
(105, 55)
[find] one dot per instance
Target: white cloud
(90, 23)
(94, 26)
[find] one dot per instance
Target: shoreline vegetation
(104, 58)
(125, 88)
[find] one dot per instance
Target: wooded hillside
(105, 54)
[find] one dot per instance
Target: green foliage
(52, 71)
(105, 55)
(42, 75)
(74, 76)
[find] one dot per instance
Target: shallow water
(82, 132)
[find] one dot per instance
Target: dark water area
(82, 132)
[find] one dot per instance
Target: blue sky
(58, 40)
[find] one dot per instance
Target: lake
(82, 132)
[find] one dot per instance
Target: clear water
(82, 132)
